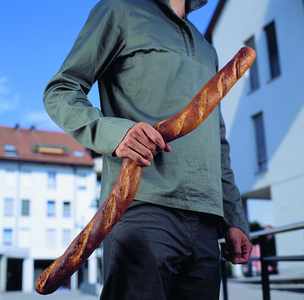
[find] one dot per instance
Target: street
(236, 291)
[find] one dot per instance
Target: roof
(32, 145)
(214, 19)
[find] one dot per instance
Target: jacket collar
(191, 5)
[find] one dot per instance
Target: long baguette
(128, 180)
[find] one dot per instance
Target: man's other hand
(238, 246)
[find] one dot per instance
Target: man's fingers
(238, 246)
(139, 159)
(135, 144)
(233, 254)
(237, 250)
(167, 148)
(226, 255)
(135, 151)
(146, 135)
(154, 137)
(246, 251)
(141, 144)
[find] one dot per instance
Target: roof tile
(23, 139)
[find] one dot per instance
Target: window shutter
(260, 141)
(253, 71)
(8, 207)
(272, 50)
(25, 207)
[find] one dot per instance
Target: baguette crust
(128, 180)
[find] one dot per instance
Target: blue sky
(35, 37)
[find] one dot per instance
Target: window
(51, 208)
(66, 209)
(8, 207)
(260, 141)
(7, 236)
(78, 153)
(50, 238)
(49, 149)
(25, 208)
(51, 183)
(10, 150)
(272, 50)
(66, 237)
(253, 71)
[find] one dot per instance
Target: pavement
(58, 295)
(236, 291)
(253, 291)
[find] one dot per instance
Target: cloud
(36, 116)
(8, 101)
(40, 119)
(12, 110)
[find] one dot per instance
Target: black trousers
(161, 253)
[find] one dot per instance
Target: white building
(264, 112)
(47, 195)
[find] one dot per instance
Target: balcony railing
(261, 235)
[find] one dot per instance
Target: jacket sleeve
(233, 210)
(100, 41)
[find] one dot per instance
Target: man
(150, 61)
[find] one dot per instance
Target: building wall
(44, 235)
(281, 101)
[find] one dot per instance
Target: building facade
(264, 112)
(47, 196)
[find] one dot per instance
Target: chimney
(17, 128)
(33, 129)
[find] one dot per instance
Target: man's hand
(141, 143)
(238, 246)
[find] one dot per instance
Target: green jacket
(149, 64)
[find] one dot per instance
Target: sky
(35, 38)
